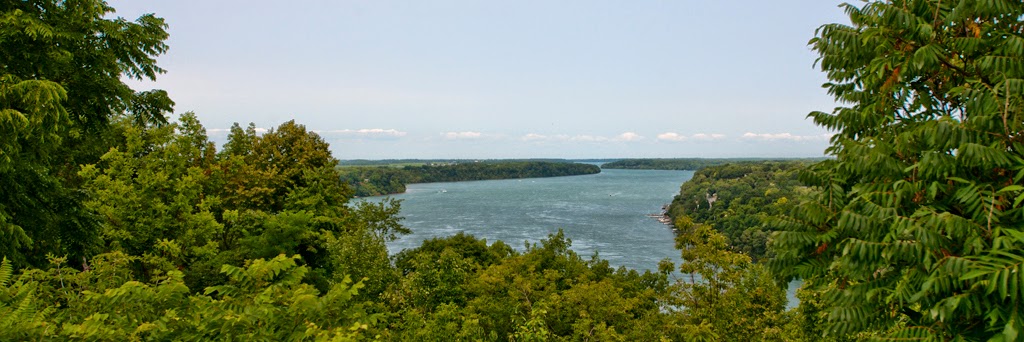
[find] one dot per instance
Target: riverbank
(663, 217)
(383, 180)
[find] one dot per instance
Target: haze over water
(603, 213)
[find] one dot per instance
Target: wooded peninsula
(690, 164)
(392, 178)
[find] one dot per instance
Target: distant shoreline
(475, 180)
(690, 164)
(381, 180)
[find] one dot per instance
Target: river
(604, 213)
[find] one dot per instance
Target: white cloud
(535, 137)
(366, 132)
(628, 136)
(588, 138)
(673, 136)
(461, 135)
(784, 137)
(707, 136)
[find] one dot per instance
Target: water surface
(604, 213)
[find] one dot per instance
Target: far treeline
(385, 180)
(684, 163)
(418, 162)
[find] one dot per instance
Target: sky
(504, 79)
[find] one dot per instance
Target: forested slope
(690, 164)
(740, 200)
(383, 180)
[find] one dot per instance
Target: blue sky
(504, 79)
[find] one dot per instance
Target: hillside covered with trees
(384, 180)
(690, 164)
(916, 228)
(418, 162)
(119, 223)
(740, 200)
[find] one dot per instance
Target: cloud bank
(785, 137)
(628, 136)
(624, 137)
(365, 132)
(461, 135)
(676, 137)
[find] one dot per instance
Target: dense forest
(374, 181)
(383, 180)
(672, 163)
(740, 200)
(119, 223)
(418, 162)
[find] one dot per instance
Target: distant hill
(687, 163)
(383, 179)
(739, 199)
(418, 162)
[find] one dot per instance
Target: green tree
(739, 199)
(61, 69)
(153, 188)
(917, 231)
(77, 46)
(724, 296)
(299, 157)
(264, 300)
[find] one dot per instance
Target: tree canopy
(740, 200)
(61, 69)
(917, 231)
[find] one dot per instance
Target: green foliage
(470, 248)
(726, 296)
(692, 164)
(266, 300)
(375, 181)
(48, 41)
(382, 180)
(54, 214)
(21, 315)
(740, 200)
(381, 218)
(152, 188)
(363, 255)
(439, 280)
(54, 113)
(490, 292)
(271, 171)
(810, 319)
(916, 233)
(496, 170)
(32, 115)
(447, 323)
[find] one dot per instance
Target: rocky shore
(663, 217)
